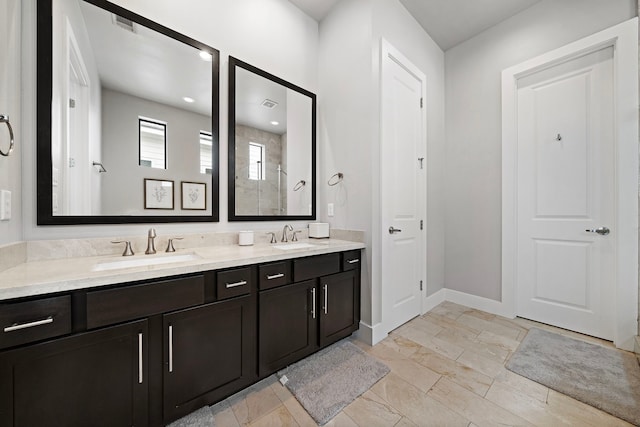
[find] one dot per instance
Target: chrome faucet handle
(151, 247)
(170, 247)
(127, 247)
(284, 233)
(273, 237)
(295, 235)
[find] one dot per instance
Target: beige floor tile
(481, 314)
(450, 324)
(276, 418)
(371, 410)
(301, 416)
(585, 414)
(489, 351)
(412, 372)
(254, 402)
(533, 410)
(448, 311)
(405, 422)
(461, 374)
(523, 385)
(414, 404)
(223, 415)
(473, 407)
(426, 326)
(505, 343)
(401, 344)
(342, 420)
(438, 345)
(496, 328)
(281, 391)
(482, 364)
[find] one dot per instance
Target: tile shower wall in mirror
(131, 101)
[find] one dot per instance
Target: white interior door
(566, 191)
(403, 188)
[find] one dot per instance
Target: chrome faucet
(151, 247)
(284, 232)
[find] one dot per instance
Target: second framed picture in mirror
(272, 147)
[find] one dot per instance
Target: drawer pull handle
(353, 261)
(17, 327)
(275, 276)
(236, 284)
(170, 348)
(326, 298)
(313, 303)
(140, 358)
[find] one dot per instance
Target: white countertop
(68, 274)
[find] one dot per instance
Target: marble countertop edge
(64, 275)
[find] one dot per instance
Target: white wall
(271, 34)
(120, 127)
(349, 119)
(473, 128)
(10, 167)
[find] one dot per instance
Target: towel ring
(5, 119)
(101, 168)
(299, 185)
(338, 179)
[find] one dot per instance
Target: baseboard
(479, 303)
(432, 301)
(371, 335)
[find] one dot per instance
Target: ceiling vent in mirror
(123, 23)
(269, 104)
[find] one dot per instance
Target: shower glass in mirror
(132, 95)
(271, 147)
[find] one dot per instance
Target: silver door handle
(275, 276)
(234, 285)
(17, 327)
(313, 303)
(394, 230)
(600, 230)
(140, 366)
(326, 298)
(170, 348)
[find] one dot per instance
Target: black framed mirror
(128, 118)
(272, 147)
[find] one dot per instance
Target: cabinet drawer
(350, 260)
(274, 275)
(133, 302)
(30, 321)
(233, 283)
(316, 266)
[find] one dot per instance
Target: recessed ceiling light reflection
(205, 56)
(189, 100)
(275, 123)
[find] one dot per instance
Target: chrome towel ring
(335, 179)
(5, 119)
(299, 185)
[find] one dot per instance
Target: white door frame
(389, 51)
(624, 39)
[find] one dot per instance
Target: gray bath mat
(329, 380)
(605, 378)
(203, 417)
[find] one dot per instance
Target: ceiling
(448, 22)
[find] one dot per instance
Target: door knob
(394, 230)
(600, 230)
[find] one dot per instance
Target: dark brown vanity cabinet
(97, 378)
(297, 319)
(209, 353)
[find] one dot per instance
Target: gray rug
(329, 380)
(605, 378)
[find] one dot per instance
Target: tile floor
(447, 369)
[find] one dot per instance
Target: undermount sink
(292, 246)
(143, 261)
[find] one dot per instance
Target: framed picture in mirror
(194, 195)
(158, 194)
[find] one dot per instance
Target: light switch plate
(330, 209)
(5, 205)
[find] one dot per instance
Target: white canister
(245, 238)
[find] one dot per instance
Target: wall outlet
(330, 209)
(5, 205)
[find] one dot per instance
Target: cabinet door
(209, 353)
(339, 306)
(93, 379)
(287, 324)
